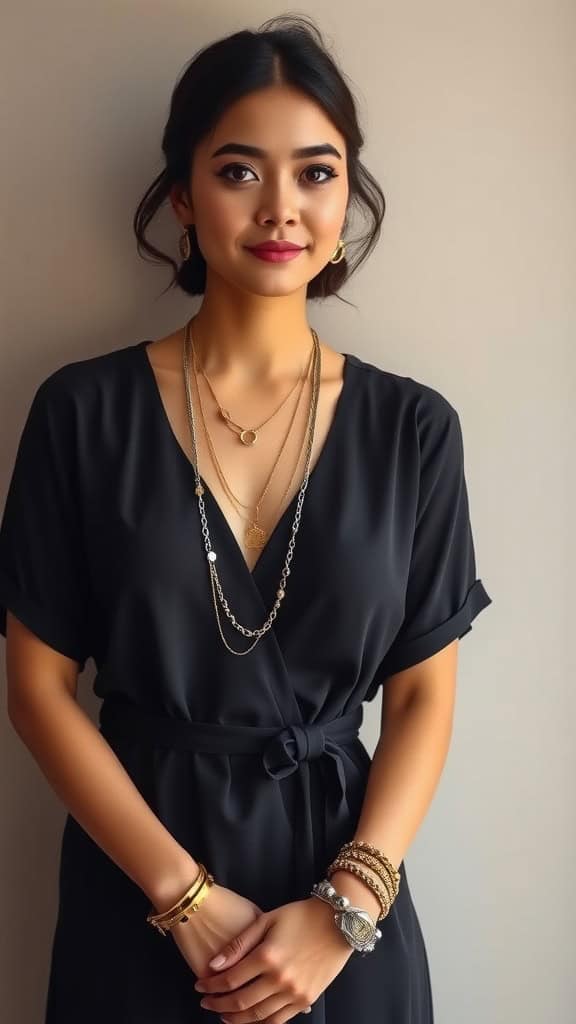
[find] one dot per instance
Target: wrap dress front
(253, 763)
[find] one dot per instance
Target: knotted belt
(282, 751)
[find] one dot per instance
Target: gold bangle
(187, 906)
(194, 887)
(191, 906)
(189, 902)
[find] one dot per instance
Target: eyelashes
(223, 173)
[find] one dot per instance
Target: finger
(241, 1004)
(241, 944)
(286, 1013)
(251, 967)
(264, 1009)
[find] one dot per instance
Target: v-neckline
(329, 442)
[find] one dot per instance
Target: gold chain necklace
(247, 435)
(255, 535)
(211, 555)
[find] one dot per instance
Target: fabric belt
(282, 751)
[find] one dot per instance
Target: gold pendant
(247, 436)
(255, 536)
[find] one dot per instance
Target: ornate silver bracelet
(355, 923)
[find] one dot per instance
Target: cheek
(326, 213)
(219, 212)
(218, 224)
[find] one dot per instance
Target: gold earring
(340, 253)
(184, 244)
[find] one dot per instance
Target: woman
(249, 532)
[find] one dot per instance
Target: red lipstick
(275, 252)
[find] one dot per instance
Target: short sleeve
(443, 594)
(42, 571)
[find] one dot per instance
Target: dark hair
(285, 49)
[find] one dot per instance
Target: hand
(284, 959)
(219, 918)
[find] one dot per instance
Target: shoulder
(80, 378)
(81, 409)
(413, 401)
(77, 397)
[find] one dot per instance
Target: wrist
(168, 889)
(359, 894)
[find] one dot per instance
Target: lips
(275, 247)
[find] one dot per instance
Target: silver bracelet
(355, 923)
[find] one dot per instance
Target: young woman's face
(240, 198)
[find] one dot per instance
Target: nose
(279, 202)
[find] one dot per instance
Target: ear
(181, 204)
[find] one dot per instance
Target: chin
(274, 291)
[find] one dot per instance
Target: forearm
(86, 774)
(405, 771)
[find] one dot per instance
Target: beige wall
(470, 115)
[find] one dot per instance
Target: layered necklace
(255, 535)
(211, 555)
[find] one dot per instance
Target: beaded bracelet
(374, 858)
(348, 865)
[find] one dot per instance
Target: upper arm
(443, 594)
(32, 666)
(45, 604)
(433, 678)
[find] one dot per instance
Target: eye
(324, 168)
(231, 167)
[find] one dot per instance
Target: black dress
(253, 763)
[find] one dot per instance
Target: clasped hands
(277, 966)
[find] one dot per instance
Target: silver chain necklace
(199, 491)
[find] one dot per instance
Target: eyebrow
(325, 149)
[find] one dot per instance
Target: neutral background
(469, 111)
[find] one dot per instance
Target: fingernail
(218, 961)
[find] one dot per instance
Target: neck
(252, 338)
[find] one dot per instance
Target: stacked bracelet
(389, 876)
(188, 904)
